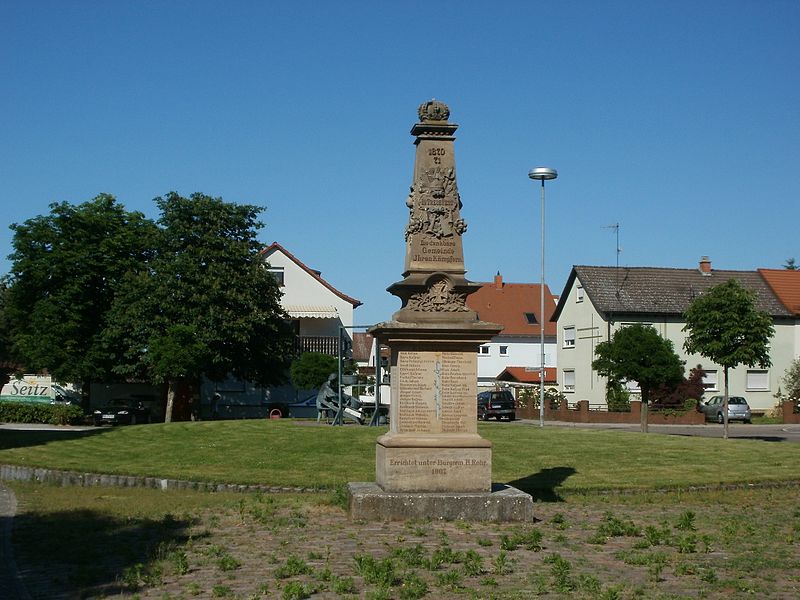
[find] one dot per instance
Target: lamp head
(543, 173)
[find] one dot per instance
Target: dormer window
(531, 318)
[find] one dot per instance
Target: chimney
(705, 266)
(498, 281)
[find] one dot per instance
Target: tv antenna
(615, 227)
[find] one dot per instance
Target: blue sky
(678, 120)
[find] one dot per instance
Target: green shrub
(617, 397)
(52, 414)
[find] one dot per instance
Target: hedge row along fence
(52, 414)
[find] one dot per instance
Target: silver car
(738, 409)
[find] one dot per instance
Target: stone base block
(437, 469)
(504, 504)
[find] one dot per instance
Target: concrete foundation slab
(504, 504)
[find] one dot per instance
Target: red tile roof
(314, 273)
(785, 283)
(528, 375)
(507, 303)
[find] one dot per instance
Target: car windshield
(118, 403)
(737, 401)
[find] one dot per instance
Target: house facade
(597, 301)
(317, 308)
(785, 284)
(516, 307)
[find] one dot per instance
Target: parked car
(122, 411)
(738, 409)
(497, 404)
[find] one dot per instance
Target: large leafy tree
(206, 305)
(725, 326)
(65, 271)
(637, 353)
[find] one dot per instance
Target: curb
(75, 479)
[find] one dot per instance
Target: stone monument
(433, 463)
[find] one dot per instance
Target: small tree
(618, 399)
(312, 369)
(690, 388)
(791, 379)
(790, 264)
(724, 326)
(638, 353)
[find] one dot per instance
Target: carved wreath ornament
(439, 297)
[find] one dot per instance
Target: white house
(516, 350)
(597, 301)
(785, 284)
(316, 307)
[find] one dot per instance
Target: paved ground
(768, 433)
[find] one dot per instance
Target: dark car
(496, 403)
(122, 411)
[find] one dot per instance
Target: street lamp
(542, 174)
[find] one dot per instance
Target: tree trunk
(645, 401)
(725, 406)
(171, 391)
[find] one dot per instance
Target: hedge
(52, 414)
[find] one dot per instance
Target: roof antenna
(615, 227)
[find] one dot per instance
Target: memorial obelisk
(433, 460)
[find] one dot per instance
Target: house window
(277, 273)
(503, 350)
(758, 380)
(569, 337)
(483, 351)
(710, 381)
(579, 294)
(569, 380)
(530, 318)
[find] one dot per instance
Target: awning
(312, 311)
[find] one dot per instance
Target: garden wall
(582, 414)
(789, 416)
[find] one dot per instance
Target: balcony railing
(316, 343)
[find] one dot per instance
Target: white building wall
(300, 288)
(590, 329)
(522, 352)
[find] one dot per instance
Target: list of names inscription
(437, 391)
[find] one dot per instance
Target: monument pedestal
(433, 463)
(504, 504)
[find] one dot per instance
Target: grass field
(587, 543)
(302, 453)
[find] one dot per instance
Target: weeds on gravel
(292, 567)
(376, 572)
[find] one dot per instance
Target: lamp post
(542, 174)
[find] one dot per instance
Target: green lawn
(301, 453)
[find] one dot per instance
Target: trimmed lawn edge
(76, 479)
